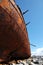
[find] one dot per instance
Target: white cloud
(38, 52)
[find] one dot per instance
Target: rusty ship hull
(14, 42)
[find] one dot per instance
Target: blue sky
(35, 16)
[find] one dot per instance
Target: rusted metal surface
(14, 42)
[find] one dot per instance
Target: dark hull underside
(14, 43)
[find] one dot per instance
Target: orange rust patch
(19, 20)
